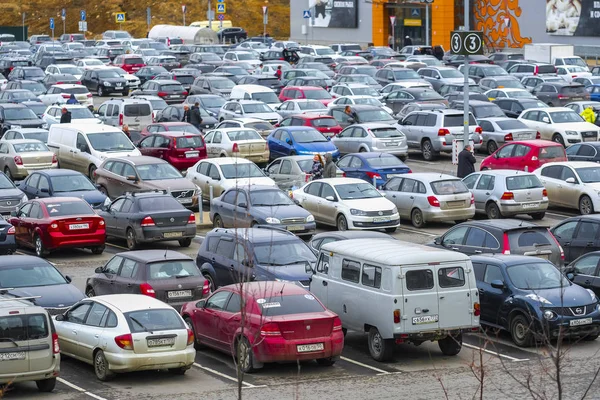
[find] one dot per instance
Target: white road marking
(200, 237)
(117, 246)
(222, 375)
(381, 372)
(80, 389)
(495, 353)
(418, 232)
(561, 215)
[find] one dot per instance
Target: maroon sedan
(282, 323)
(55, 223)
(181, 150)
(160, 127)
(325, 124)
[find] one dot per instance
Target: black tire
(218, 222)
(185, 242)
(40, 249)
(460, 221)
(211, 281)
(362, 150)
(521, 335)
(427, 150)
(91, 171)
(344, 331)
(585, 205)
(325, 362)
(131, 240)
(491, 147)
(7, 173)
(98, 249)
(381, 349)
(538, 216)
(557, 138)
(101, 367)
(341, 223)
(178, 371)
(391, 230)
(46, 385)
(492, 211)
(591, 338)
(90, 292)
(103, 190)
(243, 348)
(403, 158)
(450, 345)
(188, 322)
(100, 91)
(416, 218)
(126, 93)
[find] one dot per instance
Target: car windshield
(575, 61)
(155, 172)
(325, 52)
(311, 105)
(448, 186)
(320, 94)
(533, 104)
(108, 74)
(384, 161)
(246, 134)
(110, 141)
(523, 182)
(81, 113)
(150, 320)
(488, 111)
(589, 174)
(374, 116)
(158, 104)
(241, 170)
(270, 197)
(159, 203)
(458, 120)
(36, 87)
(30, 275)
(210, 57)
(520, 94)
(308, 136)
(563, 117)
(317, 73)
(451, 73)
(35, 73)
(265, 97)
(509, 83)
(93, 62)
(365, 91)
(386, 132)
(429, 95)
(279, 253)
(536, 276)
(324, 122)
(256, 108)
(260, 126)
(5, 183)
(211, 102)
(236, 71)
(222, 84)
(511, 124)
(71, 70)
(71, 183)
(23, 94)
(38, 109)
(402, 74)
(30, 147)
(356, 191)
(172, 269)
(18, 113)
(188, 128)
(246, 56)
(289, 305)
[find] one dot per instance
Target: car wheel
(126, 93)
(7, 173)
(592, 337)
(450, 345)
(538, 216)
(416, 217)
(244, 355)
(390, 230)
(40, 250)
(100, 91)
(89, 292)
(325, 362)
(98, 250)
(492, 211)
(557, 137)
(46, 385)
(131, 241)
(218, 222)
(491, 147)
(190, 325)
(585, 205)
(101, 367)
(185, 242)
(520, 331)
(103, 190)
(362, 150)
(178, 371)
(342, 223)
(460, 221)
(211, 282)
(91, 171)
(427, 150)
(381, 349)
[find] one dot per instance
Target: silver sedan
(292, 172)
(19, 157)
(372, 137)
(498, 131)
(430, 197)
(505, 193)
(304, 106)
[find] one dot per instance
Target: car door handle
(74, 332)
(588, 282)
(412, 197)
(567, 244)
(231, 267)
(481, 291)
(96, 336)
(454, 248)
(129, 285)
(590, 244)
(111, 282)
(325, 283)
(487, 193)
(425, 310)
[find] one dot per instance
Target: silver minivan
(398, 292)
(136, 113)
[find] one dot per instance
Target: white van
(398, 292)
(83, 147)
(255, 92)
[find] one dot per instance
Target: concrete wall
(361, 35)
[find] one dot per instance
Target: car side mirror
(438, 240)
(570, 276)
(68, 278)
(546, 120)
(13, 213)
(132, 178)
(61, 317)
(288, 141)
(308, 268)
(246, 263)
(330, 198)
(99, 270)
(44, 190)
(97, 115)
(497, 284)
(571, 180)
(243, 205)
(201, 303)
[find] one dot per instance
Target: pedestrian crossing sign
(120, 17)
(221, 8)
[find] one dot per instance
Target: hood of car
(170, 184)
(374, 204)
(11, 193)
(280, 212)
(316, 147)
(25, 123)
(113, 80)
(64, 295)
(568, 296)
(292, 273)
(242, 182)
(86, 120)
(93, 197)
(576, 126)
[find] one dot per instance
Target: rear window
(286, 305)
(244, 135)
(530, 238)
(383, 162)
(162, 203)
(188, 79)
(24, 327)
(449, 187)
(457, 120)
(189, 142)
(574, 90)
(451, 277)
(154, 320)
(523, 182)
(260, 126)
(269, 81)
(69, 208)
(552, 152)
(324, 122)
(172, 269)
(137, 110)
(511, 124)
(546, 69)
(76, 90)
(172, 88)
(390, 132)
(421, 279)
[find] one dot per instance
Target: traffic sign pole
(63, 16)
(265, 20)
(466, 83)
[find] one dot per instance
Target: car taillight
(472, 199)
(125, 341)
(505, 244)
(54, 159)
(236, 148)
(120, 119)
(337, 324)
(185, 93)
(55, 345)
(476, 309)
(270, 329)
(78, 82)
(508, 137)
(562, 252)
(53, 226)
(443, 132)
(205, 288)
(11, 231)
(535, 71)
(161, 94)
(66, 96)
(433, 201)
(59, 83)
(478, 130)
(147, 290)
(18, 160)
(545, 193)
(538, 135)
(190, 340)
(507, 196)
(101, 223)
(573, 76)
(89, 95)
(396, 316)
(373, 175)
(192, 219)
(561, 96)
(148, 221)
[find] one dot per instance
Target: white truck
(553, 53)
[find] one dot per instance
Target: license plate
(390, 144)
(455, 204)
(160, 342)
(530, 205)
(172, 234)
(185, 201)
(579, 322)
(17, 355)
(74, 227)
(523, 136)
(305, 348)
(393, 175)
(425, 319)
(295, 227)
(179, 293)
(381, 219)
(191, 154)
(589, 139)
(544, 256)
(577, 99)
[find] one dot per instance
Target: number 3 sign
(466, 43)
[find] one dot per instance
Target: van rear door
(456, 296)
(40, 330)
(420, 299)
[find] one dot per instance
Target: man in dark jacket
(195, 117)
(186, 114)
(65, 118)
(407, 41)
(466, 162)
(330, 170)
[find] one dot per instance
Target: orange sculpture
(490, 18)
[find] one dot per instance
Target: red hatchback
(305, 92)
(180, 149)
(130, 63)
(160, 127)
(526, 155)
(325, 124)
(55, 223)
(282, 323)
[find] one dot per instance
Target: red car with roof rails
(130, 63)
(305, 92)
(325, 124)
(525, 155)
(180, 149)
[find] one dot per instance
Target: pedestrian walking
(186, 114)
(391, 41)
(466, 162)
(278, 72)
(72, 99)
(195, 116)
(330, 170)
(317, 167)
(407, 41)
(126, 131)
(259, 69)
(65, 118)
(589, 115)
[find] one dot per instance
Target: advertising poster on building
(573, 17)
(334, 13)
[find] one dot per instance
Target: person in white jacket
(258, 70)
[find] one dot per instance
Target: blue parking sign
(51, 23)
(83, 15)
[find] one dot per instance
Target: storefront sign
(573, 17)
(412, 22)
(334, 13)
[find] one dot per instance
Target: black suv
(514, 107)
(104, 81)
(228, 256)
(578, 235)
(9, 63)
(17, 114)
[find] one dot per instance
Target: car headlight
(354, 211)
(571, 133)
(107, 201)
(594, 298)
(45, 126)
(394, 210)
(538, 298)
(310, 218)
(15, 127)
(24, 198)
(272, 220)
(549, 315)
(107, 84)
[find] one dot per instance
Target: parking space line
(495, 353)
(380, 371)
(417, 232)
(222, 375)
(80, 389)
(117, 246)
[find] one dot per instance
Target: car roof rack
(5, 292)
